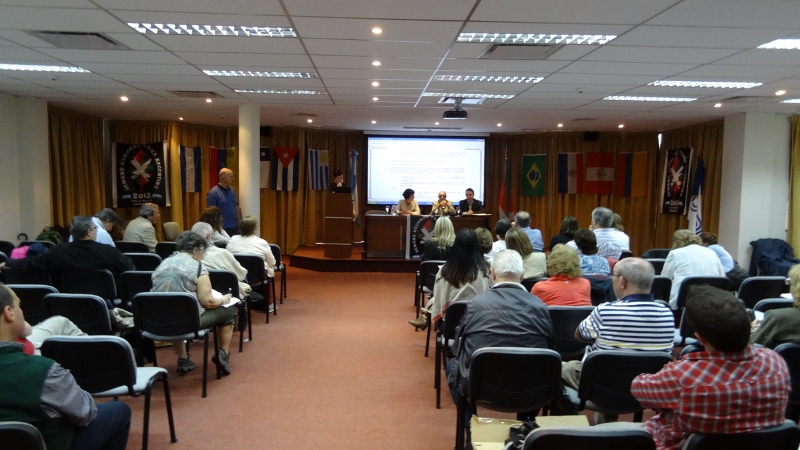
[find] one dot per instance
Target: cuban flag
(285, 168)
(570, 173)
(190, 169)
(317, 169)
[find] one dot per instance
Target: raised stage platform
(312, 257)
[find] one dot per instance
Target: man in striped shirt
(634, 322)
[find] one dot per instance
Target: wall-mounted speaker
(266, 131)
(591, 136)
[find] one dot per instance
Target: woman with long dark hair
(464, 275)
(569, 225)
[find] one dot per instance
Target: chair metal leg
(637, 416)
(460, 425)
(265, 294)
(437, 380)
(146, 425)
(249, 318)
(168, 400)
(205, 364)
(274, 298)
(428, 341)
(216, 349)
(283, 283)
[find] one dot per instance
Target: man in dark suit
(470, 205)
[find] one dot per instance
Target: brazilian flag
(534, 175)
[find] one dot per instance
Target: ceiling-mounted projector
(456, 112)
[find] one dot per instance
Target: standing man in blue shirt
(224, 197)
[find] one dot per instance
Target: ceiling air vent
(196, 94)
(79, 40)
(520, 51)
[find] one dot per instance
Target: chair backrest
(427, 272)
(791, 354)
(31, 300)
(514, 379)
(132, 247)
(781, 437)
(625, 254)
(171, 231)
(98, 363)
(607, 374)
(656, 253)
(165, 249)
(717, 282)
(20, 436)
(254, 264)
(166, 313)
(529, 282)
(29, 276)
(602, 290)
(452, 317)
(276, 252)
(87, 312)
(133, 282)
(144, 261)
(224, 281)
(588, 438)
(754, 289)
(7, 247)
(658, 264)
(692, 348)
(565, 320)
(661, 288)
(767, 304)
(99, 282)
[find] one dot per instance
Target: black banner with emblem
(421, 231)
(141, 174)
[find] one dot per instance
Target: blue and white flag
(317, 169)
(190, 169)
(696, 205)
(265, 156)
(354, 184)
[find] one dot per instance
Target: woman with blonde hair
(534, 263)
(438, 247)
(781, 325)
(566, 286)
(688, 259)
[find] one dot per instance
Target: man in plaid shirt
(731, 387)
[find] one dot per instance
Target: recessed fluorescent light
(276, 91)
(791, 100)
(466, 95)
(705, 84)
(511, 38)
(212, 30)
(782, 44)
(487, 78)
(630, 98)
(252, 73)
(41, 68)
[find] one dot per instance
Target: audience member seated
(221, 259)
(592, 264)
(34, 336)
(500, 229)
(213, 217)
(634, 322)
(523, 221)
(504, 316)
(610, 241)
(438, 247)
(105, 220)
(689, 259)
(566, 286)
(735, 273)
(535, 263)
(782, 325)
(485, 239)
(731, 387)
(185, 272)
(569, 225)
(83, 253)
(142, 229)
(248, 242)
(38, 391)
(407, 206)
(469, 205)
(616, 222)
(464, 274)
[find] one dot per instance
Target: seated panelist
(442, 206)
(408, 206)
(469, 205)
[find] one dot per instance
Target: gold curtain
(76, 165)
(794, 186)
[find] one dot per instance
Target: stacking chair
(529, 282)
(661, 288)
(509, 379)
(656, 253)
(20, 436)
(565, 320)
(588, 438)
(625, 254)
(7, 247)
(104, 367)
(3, 257)
(171, 231)
(606, 376)
(444, 341)
(762, 305)
(87, 312)
(225, 281)
(132, 282)
(279, 267)
(791, 353)
(257, 277)
(165, 249)
(31, 300)
(754, 289)
(99, 282)
(602, 290)
(144, 261)
(781, 437)
(426, 277)
(132, 247)
(29, 276)
(684, 333)
(169, 316)
(658, 264)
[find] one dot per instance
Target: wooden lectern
(338, 225)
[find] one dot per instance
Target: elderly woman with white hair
(689, 259)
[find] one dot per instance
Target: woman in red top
(566, 287)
